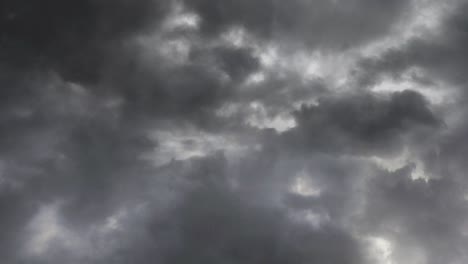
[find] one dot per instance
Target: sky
(233, 132)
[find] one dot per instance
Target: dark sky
(233, 132)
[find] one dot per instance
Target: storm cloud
(261, 131)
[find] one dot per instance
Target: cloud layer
(258, 131)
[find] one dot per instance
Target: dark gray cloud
(216, 220)
(441, 54)
(363, 123)
(74, 38)
(330, 24)
(216, 225)
(16, 208)
(230, 131)
(428, 215)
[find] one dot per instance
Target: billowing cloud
(364, 123)
(330, 24)
(233, 131)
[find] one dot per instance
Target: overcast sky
(233, 132)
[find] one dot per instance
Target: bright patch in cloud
(260, 118)
(381, 250)
(183, 145)
(303, 185)
(47, 232)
